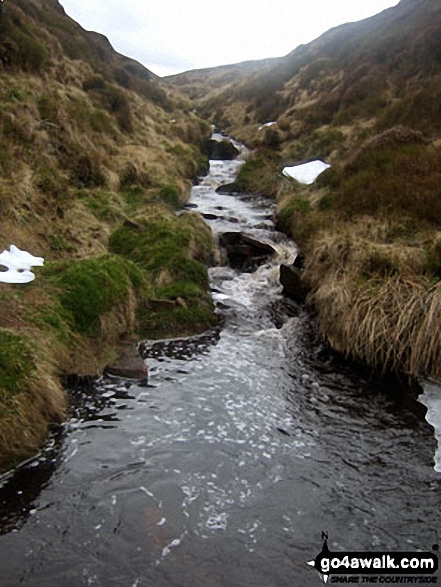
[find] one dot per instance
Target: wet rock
(293, 286)
(229, 188)
(211, 217)
(245, 252)
(219, 150)
(128, 365)
(299, 261)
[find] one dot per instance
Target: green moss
(259, 174)
(51, 317)
(179, 321)
(161, 245)
(297, 205)
(16, 363)
(90, 287)
(182, 289)
(105, 205)
(170, 194)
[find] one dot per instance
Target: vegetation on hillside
(93, 151)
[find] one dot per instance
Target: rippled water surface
(245, 446)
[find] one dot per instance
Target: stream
(245, 446)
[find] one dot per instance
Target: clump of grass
(58, 243)
(106, 206)
(189, 160)
(117, 103)
(16, 364)
(15, 93)
(48, 107)
(30, 398)
(50, 181)
(432, 265)
(373, 300)
(402, 179)
(390, 324)
(172, 251)
(91, 287)
(179, 321)
(21, 47)
(259, 174)
(171, 195)
(295, 206)
(132, 178)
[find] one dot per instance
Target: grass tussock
(390, 324)
(376, 299)
(30, 396)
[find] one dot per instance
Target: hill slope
(95, 157)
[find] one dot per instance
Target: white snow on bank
(18, 264)
(431, 398)
(267, 124)
(306, 173)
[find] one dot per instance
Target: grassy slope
(365, 96)
(93, 150)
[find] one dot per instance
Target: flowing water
(247, 443)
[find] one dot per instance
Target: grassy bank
(93, 152)
(370, 229)
(74, 316)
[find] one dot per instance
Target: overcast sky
(170, 36)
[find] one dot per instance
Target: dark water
(248, 443)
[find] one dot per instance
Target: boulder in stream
(128, 365)
(244, 252)
(293, 285)
(219, 150)
(229, 188)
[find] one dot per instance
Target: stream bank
(246, 444)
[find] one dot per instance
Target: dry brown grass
(26, 416)
(389, 324)
(373, 300)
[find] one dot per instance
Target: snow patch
(306, 173)
(431, 398)
(267, 124)
(18, 264)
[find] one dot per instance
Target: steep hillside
(95, 157)
(366, 97)
(383, 71)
